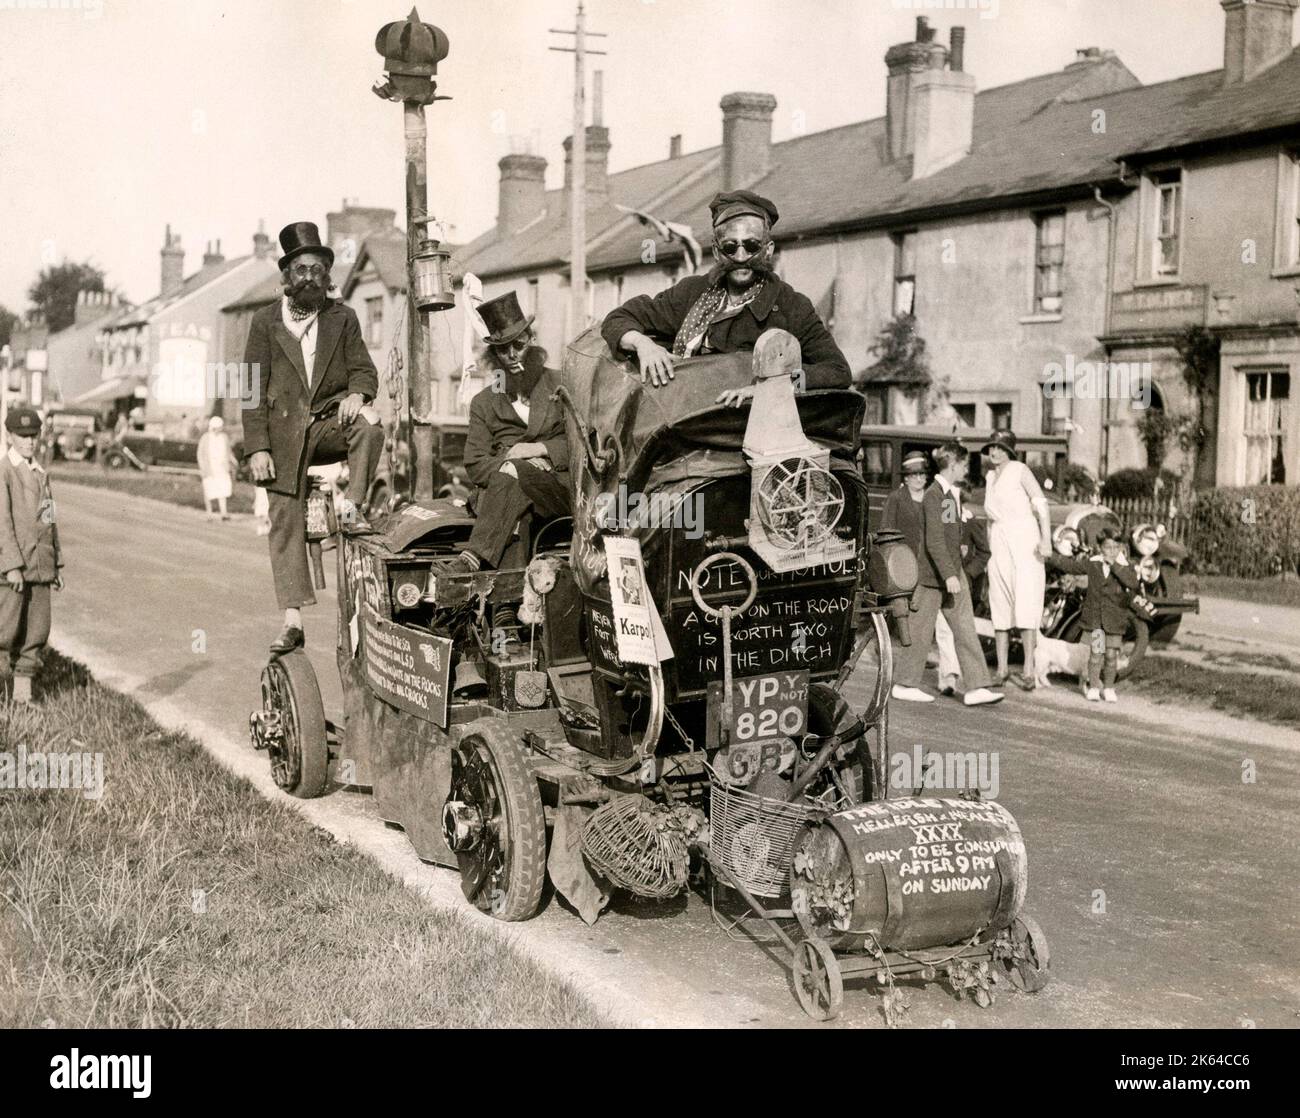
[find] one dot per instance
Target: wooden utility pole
(578, 171)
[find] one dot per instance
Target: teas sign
(762, 707)
(407, 668)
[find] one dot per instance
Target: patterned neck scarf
(711, 303)
(299, 313)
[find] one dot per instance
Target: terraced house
(1038, 231)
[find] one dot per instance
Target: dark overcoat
(29, 539)
(495, 426)
(1105, 604)
(777, 307)
(284, 405)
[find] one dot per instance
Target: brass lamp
(429, 269)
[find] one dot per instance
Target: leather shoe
(1023, 682)
(290, 637)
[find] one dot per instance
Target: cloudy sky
(120, 116)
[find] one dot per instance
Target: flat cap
(23, 421)
(736, 203)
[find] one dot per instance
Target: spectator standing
(217, 467)
(29, 554)
(1020, 539)
(943, 586)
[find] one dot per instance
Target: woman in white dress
(1020, 538)
(216, 467)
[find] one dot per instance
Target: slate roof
(387, 252)
(1034, 137)
(137, 316)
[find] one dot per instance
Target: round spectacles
(302, 271)
(751, 245)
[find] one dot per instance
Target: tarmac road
(1166, 885)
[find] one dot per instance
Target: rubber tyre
(115, 460)
(829, 713)
(524, 824)
(308, 713)
(1141, 640)
(1030, 976)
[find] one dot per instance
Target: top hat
(503, 318)
(914, 462)
(1005, 439)
(737, 203)
(299, 237)
(23, 421)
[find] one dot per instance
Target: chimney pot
(746, 138)
(674, 146)
(957, 49)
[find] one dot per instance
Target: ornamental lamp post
(411, 50)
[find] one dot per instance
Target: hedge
(1247, 532)
(1124, 485)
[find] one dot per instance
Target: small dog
(1051, 655)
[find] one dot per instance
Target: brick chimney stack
(521, 196)
(1256, 34)
(746, 138)
(929, 101)
(597, 160)
(173, 264)
(261, 242)
(92, 305)
(212, 254)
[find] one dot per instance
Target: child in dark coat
(1105, 614)
(29, 554)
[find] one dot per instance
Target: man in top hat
(29, 554)
(516, 448)
(727, 309)
(315, 384)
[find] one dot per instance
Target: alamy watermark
(987, 9)
(184, 383)
(40, 771)
(1098, 380)
(625, 512)
(952, 772)
(89, 9)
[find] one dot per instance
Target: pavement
(1163, 876)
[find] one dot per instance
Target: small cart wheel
(818, 984)
(493, 821)
(1028, 968)
(299, 751)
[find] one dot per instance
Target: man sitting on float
(728, 308)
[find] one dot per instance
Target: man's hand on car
(734, 397)
(261, 466)
(655, 361)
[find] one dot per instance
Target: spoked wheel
(1029, 964)
(291, 726)
(1133, 648)
(493, 822)
(818, 984)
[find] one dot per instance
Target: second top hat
(503, 318)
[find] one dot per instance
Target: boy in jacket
(29, 554)
(1105, 612)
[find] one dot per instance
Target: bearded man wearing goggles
(727, 309)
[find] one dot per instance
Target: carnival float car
(671, 708)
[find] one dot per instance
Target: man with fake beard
(728, 308)
(516, 448)
(315, 384)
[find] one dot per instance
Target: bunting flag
(670, 231)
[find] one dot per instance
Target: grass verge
(177, 489)
(1265, 591)
(182, 898)
(1164, 679)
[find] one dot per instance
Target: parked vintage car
(142, 449)
(449, 476)
(74, 434)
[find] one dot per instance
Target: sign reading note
(407, 668)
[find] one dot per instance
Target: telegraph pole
(578, 170)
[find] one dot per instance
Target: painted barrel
(911, 873)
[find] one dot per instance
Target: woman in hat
(1020, 539)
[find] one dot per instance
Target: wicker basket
(753, 837)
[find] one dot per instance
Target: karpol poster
(406, 667)
(635, 618)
